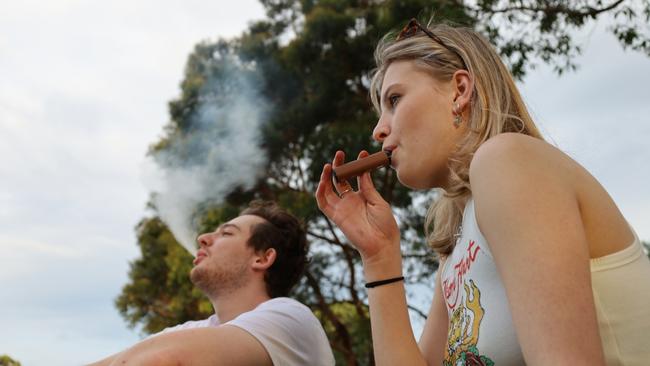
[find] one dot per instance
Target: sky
(83, 93)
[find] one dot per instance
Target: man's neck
(231, 305)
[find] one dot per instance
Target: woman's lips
(393, 157)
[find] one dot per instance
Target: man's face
(224, 259)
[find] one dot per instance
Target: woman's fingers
(339, 158)
(366, 186)
(361, 155)
(325, 196)
(342, 186)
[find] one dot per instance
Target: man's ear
(264, 259)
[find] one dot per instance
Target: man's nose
(203, 240)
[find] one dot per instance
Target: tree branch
(348, 258)
(341, 330)
(418, 311)
(587, 11)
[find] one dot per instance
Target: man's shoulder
(289, 330)
(191, 324)
(280, 311)
(288, 306)
(283, 302)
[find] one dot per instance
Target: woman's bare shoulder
(510, 151)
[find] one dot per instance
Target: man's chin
(197, 275)
(203, 280)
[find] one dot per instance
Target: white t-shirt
(287, 329)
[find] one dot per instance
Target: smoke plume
(219, 151)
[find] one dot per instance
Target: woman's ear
(264, 259)
(463, 88)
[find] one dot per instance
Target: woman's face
(416, 123)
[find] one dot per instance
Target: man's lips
(199, 257)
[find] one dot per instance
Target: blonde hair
(495, 107)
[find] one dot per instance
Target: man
(246, 267)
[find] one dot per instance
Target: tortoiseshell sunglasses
(414, 26)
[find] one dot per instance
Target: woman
(537, 264)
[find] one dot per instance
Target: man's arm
(105, 362)
(225, 345)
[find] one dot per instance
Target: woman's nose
(381, 131)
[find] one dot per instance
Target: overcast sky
(84, 86)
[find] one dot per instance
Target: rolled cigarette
(357, 167)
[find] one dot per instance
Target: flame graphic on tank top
(464, 328)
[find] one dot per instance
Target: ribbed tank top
(481, 331)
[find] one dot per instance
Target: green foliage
(355, 318)
(315, 57)
(526, 30)
(8, 361)
(159, 293)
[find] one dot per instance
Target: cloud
(599, 116)
(84, 92)
(60, 298)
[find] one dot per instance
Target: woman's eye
(393, 99)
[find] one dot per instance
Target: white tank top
(481, 331)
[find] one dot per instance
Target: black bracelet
(384, 282)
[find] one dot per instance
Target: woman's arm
(434, 335)
(527, 208)
(392, 336)
(368, 223)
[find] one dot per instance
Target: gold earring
(458, 119)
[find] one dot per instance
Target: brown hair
(496, 107)
(284, 233)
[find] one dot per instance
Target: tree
(531, 29)
(8, 361)
(310, 60)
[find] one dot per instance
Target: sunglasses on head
(413, 27)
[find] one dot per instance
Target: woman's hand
(363, 216)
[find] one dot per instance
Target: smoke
(218, 152)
